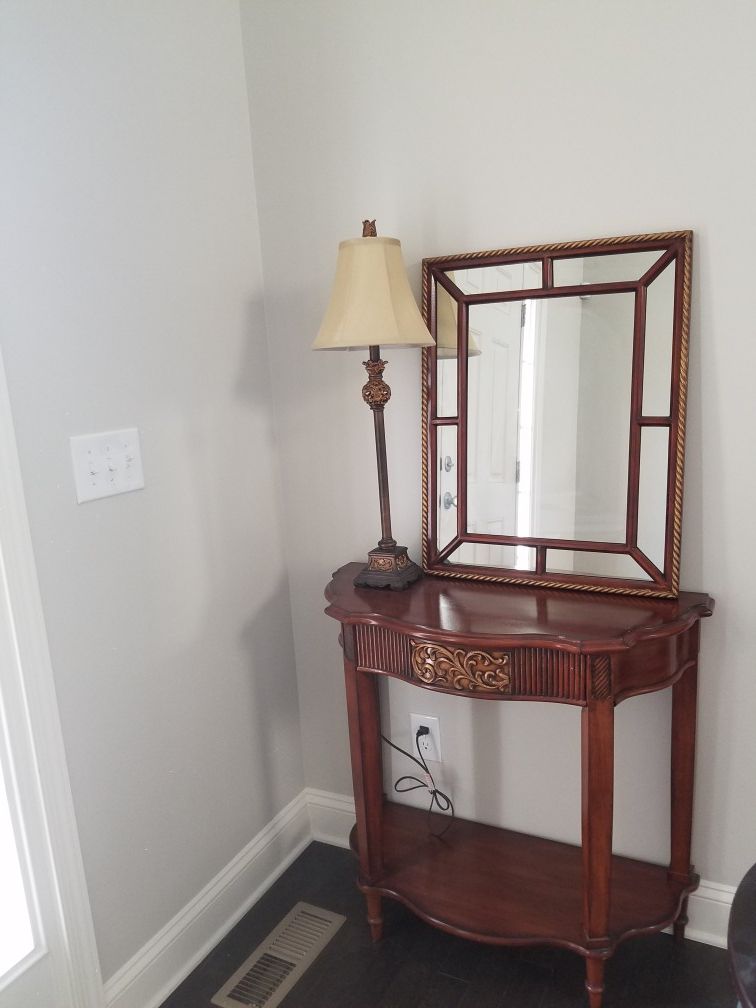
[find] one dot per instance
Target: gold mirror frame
(659, 579)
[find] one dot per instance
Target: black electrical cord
(438, 800)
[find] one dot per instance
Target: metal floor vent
(266, 977)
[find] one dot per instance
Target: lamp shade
(446, 328)
(371, 301)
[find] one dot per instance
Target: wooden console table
(499, 642)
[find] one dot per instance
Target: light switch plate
(106, 464)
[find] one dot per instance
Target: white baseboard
(708, 913)
(331, 816)
(158, 968)
(147, 979)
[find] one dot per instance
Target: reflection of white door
(52, 961)
(492, 445)
(446, 459)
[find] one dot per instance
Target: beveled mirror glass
(553, 413)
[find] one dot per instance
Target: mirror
(553, 412)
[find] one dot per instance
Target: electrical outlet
(430, 744)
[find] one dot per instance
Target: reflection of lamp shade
(371, 300)
(446, 328)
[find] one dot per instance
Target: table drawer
(506, 673)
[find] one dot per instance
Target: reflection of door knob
(449, 500)
(448, 463)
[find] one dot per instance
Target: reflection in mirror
(446, 352)
(657, 368)
(446, 327)
(548, 417)
(652, 493)
(521, 558)
(603, 409)
(446, 485)
(479, 279)
(446, 386)
(614, 267)
(493, 381)
(595, 564)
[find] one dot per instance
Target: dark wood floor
(416, 966)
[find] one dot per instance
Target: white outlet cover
(106, 464)
(435, 731)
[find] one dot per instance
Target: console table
(498, 642)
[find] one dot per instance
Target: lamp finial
(368, 229)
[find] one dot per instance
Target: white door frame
(34, 715)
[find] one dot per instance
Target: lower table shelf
(501, 887)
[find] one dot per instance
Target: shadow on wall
(253, 380)
(267, 636)
(324, 431)
(273, 701)
(244, 764)
(232, 681)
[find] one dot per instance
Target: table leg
(597, 809)
(684, 697)
(594, 981)
(363, 709)
(374, 914)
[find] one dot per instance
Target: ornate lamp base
(388, 567)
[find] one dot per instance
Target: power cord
(409, 782)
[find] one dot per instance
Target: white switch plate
(107, 464)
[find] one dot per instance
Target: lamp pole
(376, 394)
(388, 565)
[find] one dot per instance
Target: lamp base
(388, 567)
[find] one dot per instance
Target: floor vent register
(265, 978)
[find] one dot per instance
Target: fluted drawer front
(541, 672)
(382, 650)
(531, 672)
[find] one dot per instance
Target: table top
(471, 610)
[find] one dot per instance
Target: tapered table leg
(374, 914)
(365, 744)
(597, 809)
(684, 701)
(594, 981)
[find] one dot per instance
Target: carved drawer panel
(469, 671)
(525, 672)
(541, 672)
(382, 650)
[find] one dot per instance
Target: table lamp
(372, 304)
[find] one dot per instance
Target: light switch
(107, 464)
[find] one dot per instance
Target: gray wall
(481, 125)
(132, 295)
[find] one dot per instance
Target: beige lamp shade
(446, 328)
(371, 301)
